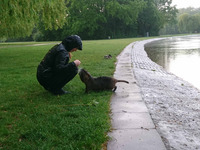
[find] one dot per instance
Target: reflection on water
(178, 55)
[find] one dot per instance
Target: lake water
(178, 55)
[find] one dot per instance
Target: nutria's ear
(87, 77)
(86, 73)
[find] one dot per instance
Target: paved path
(174, 104)
(133, 128)
(41, 44)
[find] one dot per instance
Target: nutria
(99, 83)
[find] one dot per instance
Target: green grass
(32, 118)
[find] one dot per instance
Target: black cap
(73, 41)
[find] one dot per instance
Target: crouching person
(55, 70)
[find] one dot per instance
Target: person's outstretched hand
(77, 62)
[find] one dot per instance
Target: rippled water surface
(178, 55)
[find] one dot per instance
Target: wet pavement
(157, 110)
(132, 126)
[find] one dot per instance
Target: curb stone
(133, 128)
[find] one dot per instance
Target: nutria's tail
(123, 81)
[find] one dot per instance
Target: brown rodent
(98, 83)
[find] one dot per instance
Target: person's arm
(62, 62)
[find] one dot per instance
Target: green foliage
(19, 17)
(189, 10)
(126, 11)
(118, 18)
(94, 19)
(85, 16)
(167, 11)
(122, 17)
(189, 23)
(91, 19)
(155, 16)
(182, 22)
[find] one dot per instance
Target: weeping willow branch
(19, 17)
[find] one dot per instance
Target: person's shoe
(59, 92)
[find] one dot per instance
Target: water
(178, 55)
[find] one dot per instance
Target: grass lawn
(32, 118)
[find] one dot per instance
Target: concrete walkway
(132, 126)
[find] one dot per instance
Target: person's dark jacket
(54, 71)
(55, 62)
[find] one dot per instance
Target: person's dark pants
(57, 82)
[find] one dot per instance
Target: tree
(189, 23)
(167, 11)
(182, 23)
(149, 20)
(122, 17)
(84, 17)
(197, 16)
(155, 16)
(19, 17)
(95, 19)
(186, 18)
